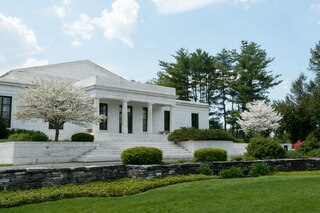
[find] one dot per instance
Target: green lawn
(297, 193)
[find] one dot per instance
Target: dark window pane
(5, 110)
(195, 120)
(104, 111)
(167, 121)
(145, 119)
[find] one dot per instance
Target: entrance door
(167, 121)
(129, 119)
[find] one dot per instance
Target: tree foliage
(259, 117)
(301, 108)
(229, 78)
(57, 102)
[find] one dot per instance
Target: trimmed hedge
(210, 154)
(265, 148)
(141, 155)
(187, 134)
(82, 137)
(26, 135)
(95, 189)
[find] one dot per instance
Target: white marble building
(130, 107)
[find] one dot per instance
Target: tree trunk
(56, 137)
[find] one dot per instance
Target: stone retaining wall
(39, 177)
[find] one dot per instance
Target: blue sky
(129, 37)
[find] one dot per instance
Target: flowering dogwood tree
(259, 117)
(57, 102)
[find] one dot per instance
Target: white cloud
(76, 43)
(17, 42)
(119, 23)
(31, 62)
(247, 3)
(67, 2)
(59, 11)
(13, 25)
(177, 6)
(82, 27)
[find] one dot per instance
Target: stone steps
(111, 149)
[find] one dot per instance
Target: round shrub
(233, 172)
(210, 154)
(204, 170)
(310, 144)
(141, 155)
(292, 154)
(314, 153)
(19, 137)
(39, 136)
(82, 137)
(265, 148)
(258, 169)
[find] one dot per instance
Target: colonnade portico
(150, 109)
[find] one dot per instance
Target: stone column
(150, 118)
(96, 103)
(172, 122)
(124, 117)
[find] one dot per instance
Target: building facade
(130, 107)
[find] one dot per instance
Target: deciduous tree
(57, 102)
(259, 117)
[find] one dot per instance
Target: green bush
(186, 134)
(210, 154)
(292, 154)
(314, 153)
(82, 137)
(258, 169)
(310, 144)
(20, 137)
(26, 135)
(264, 148)
(204, 170)
(141, 155)
(233, 172)
(4, 132)
(39, 136)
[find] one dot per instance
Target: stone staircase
(110, 147)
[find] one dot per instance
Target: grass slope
(263, 194)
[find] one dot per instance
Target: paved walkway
(60, 165)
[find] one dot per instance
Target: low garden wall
(39, 177)
(232, 148)
(42, 152)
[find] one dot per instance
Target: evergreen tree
(254, 80)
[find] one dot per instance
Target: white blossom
(259, 117)
(58, 102)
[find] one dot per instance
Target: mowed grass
(278, 193)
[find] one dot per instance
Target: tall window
(195, 120)
(167, 121)
(5, 111)
(104, 111)
(145, 119)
